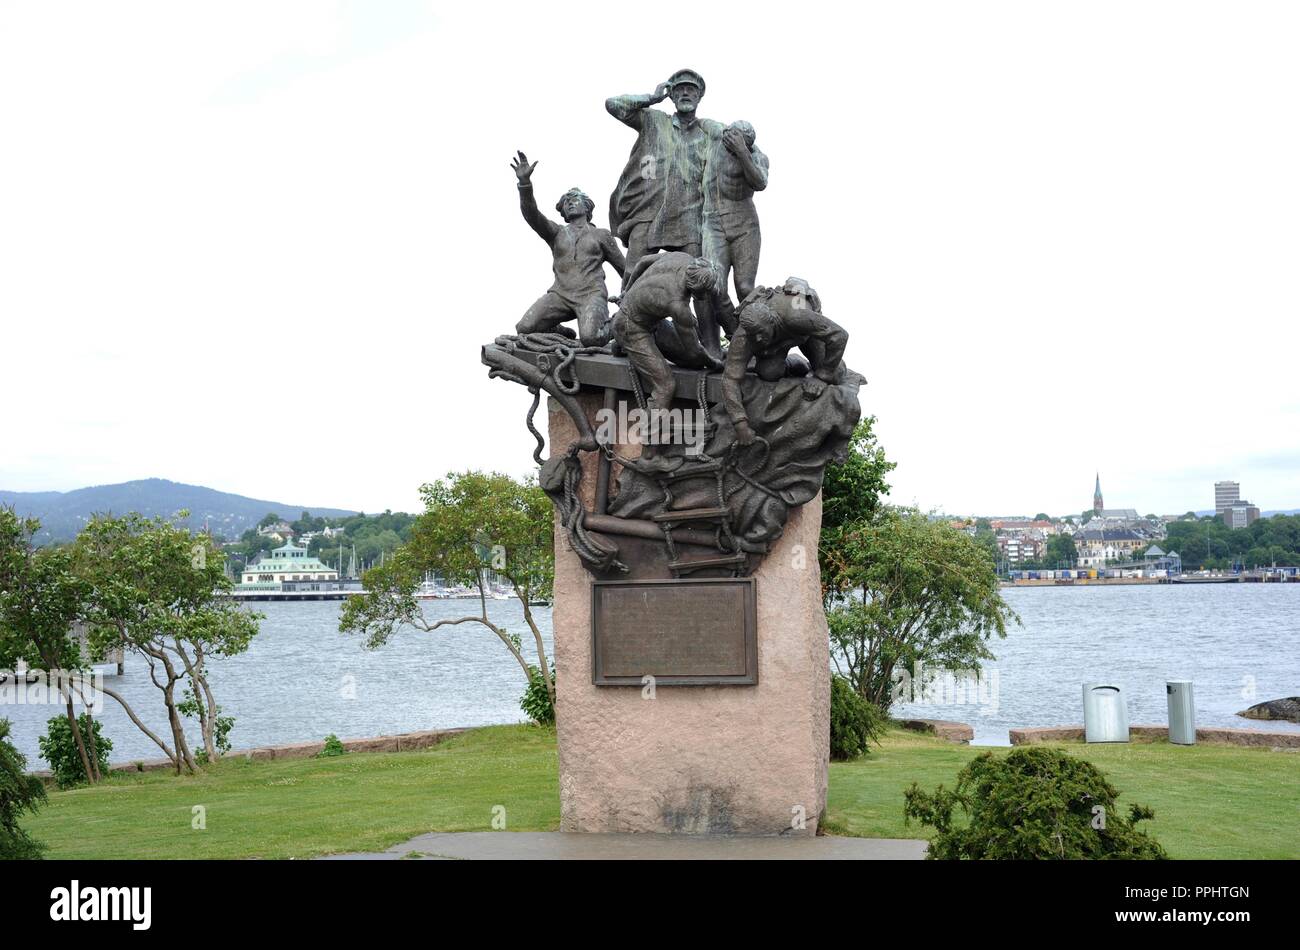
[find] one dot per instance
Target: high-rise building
(1240, 514)
(1226, 494)
(1097, 505)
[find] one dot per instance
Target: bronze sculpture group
(771, 418)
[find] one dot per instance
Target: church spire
(1097, 505)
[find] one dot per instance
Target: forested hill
(63, 514)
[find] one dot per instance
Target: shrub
(333, 747)
(19, 792)
(221, 725)
(855, 722)
(1030, 804)
(536, 701)
(59, 748)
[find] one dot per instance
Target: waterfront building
(1155, 560)
(1240, 514)
(286, 564)
(1226, 494)
(1101, 540)
(1018, 549)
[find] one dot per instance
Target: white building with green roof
(286, 563)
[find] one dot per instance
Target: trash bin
(1105, 715)
(1182, 712)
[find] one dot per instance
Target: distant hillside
(62, 514)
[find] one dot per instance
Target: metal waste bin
(1105, 715)
(1182, 712)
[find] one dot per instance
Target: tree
(19, 792)
(156, 590)
(851, 490)
(1042, 517)
(41, 598)
(473, 523)
(1060, 550)
(910, 590)
(987, 539)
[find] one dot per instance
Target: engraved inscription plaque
(682, 632)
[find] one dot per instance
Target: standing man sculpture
(580, 251)
(658, 203)
(731, 234)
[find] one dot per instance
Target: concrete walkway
(554, 845)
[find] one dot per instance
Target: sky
(258, 245)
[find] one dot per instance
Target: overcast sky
(257, 246)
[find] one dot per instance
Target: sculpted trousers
(551, 310)
(705, 315)
(644, 355)
(732, 243)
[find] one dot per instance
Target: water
(1238, 643)
(302, 679)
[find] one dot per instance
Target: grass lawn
(306, 807)
(1210, 801)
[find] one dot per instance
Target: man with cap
(658, 203)
(579, 251)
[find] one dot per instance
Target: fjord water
(302, 679)
(1238, 643)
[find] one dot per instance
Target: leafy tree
(987, 539)
(59, 748)
(1060, 550)
(916, 590)
(1033, 803)
(19, 792)
(851, 490)
(156, 590)
(1042, 517)
(473, 523)
(41, 598)
(192, 708)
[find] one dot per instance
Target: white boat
(430, 590)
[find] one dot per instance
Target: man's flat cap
(686, 76)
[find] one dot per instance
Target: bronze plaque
(682, 632)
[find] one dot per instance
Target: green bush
(855, 722)
(59, 748)
(19, 792)
(189, 707)
(536, 701)
(333, 747)
(1030, 804)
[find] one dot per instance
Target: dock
(293, 595)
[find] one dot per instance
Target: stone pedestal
(746, 760)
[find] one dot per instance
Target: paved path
(551, 845)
